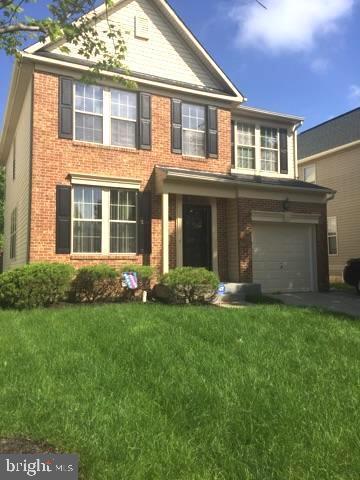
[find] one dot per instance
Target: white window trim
(106, 116)
(237, 145)
(271, 149)
(192, 130)
(333, 235)
(257, 170)
(105, 230)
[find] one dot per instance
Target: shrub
(98, 283)
(35, 285)
(190, 285)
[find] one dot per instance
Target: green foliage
(71, 21)
(98, 283)
(190, 285)
(35, 285)
(2, 202)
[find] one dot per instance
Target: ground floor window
(13, 233)
(332, 236)
(104, 220)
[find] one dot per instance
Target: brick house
(178, 172)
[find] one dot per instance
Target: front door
(197, 236)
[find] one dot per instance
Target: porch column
(179, 231)
(165, 232)
(214, 235)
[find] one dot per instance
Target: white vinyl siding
(17, 189)
(164, 54)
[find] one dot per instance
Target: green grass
(344, 287)
(263, 300)
(190, 393)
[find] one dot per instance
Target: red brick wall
(54, 158)
(245, 207)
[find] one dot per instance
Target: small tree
(69, 20)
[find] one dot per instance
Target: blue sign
(221, 289)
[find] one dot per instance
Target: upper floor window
(104, 220)
(269, 149)
(14, 160)
(105, 116)
(332, 235)
(193, 130)
(123, 118)
(88, 113)
(246, 146)
(257, 147)
(310, 174)
(13, 233)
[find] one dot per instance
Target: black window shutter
(283, 151)
(212, 132)
(63, 218)
(145, 121)
(176, 114)
(144, 223)
(232, 144)
(65, 107)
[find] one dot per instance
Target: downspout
(294, 132)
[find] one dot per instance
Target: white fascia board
(258, 112)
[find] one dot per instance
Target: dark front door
(197, 236)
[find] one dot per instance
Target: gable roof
(333, 133)
(226, 86)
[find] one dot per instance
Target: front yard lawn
(160, 392)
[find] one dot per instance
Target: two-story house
(329, 154)
(176, 173)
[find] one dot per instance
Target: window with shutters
(193, 130)
(257, 148)
(123, 118)
(332, 235)
(88, 113)
(104, 220)
(13, 233)
(110, 116)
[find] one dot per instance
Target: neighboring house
(329, 154)
(176, 173)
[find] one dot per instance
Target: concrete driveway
(335, 301)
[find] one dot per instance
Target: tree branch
(21, 27)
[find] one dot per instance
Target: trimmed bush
(97, 283)
(35, 285)
(190, 285)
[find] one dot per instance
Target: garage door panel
(282, 257)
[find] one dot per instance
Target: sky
(296, 56)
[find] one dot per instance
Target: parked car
(352, 273)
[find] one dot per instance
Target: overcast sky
(296, 56)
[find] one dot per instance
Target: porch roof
(164, 173)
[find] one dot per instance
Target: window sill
(194, 158)
(103, 256)
(78, 143)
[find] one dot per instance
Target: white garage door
(283, 259)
